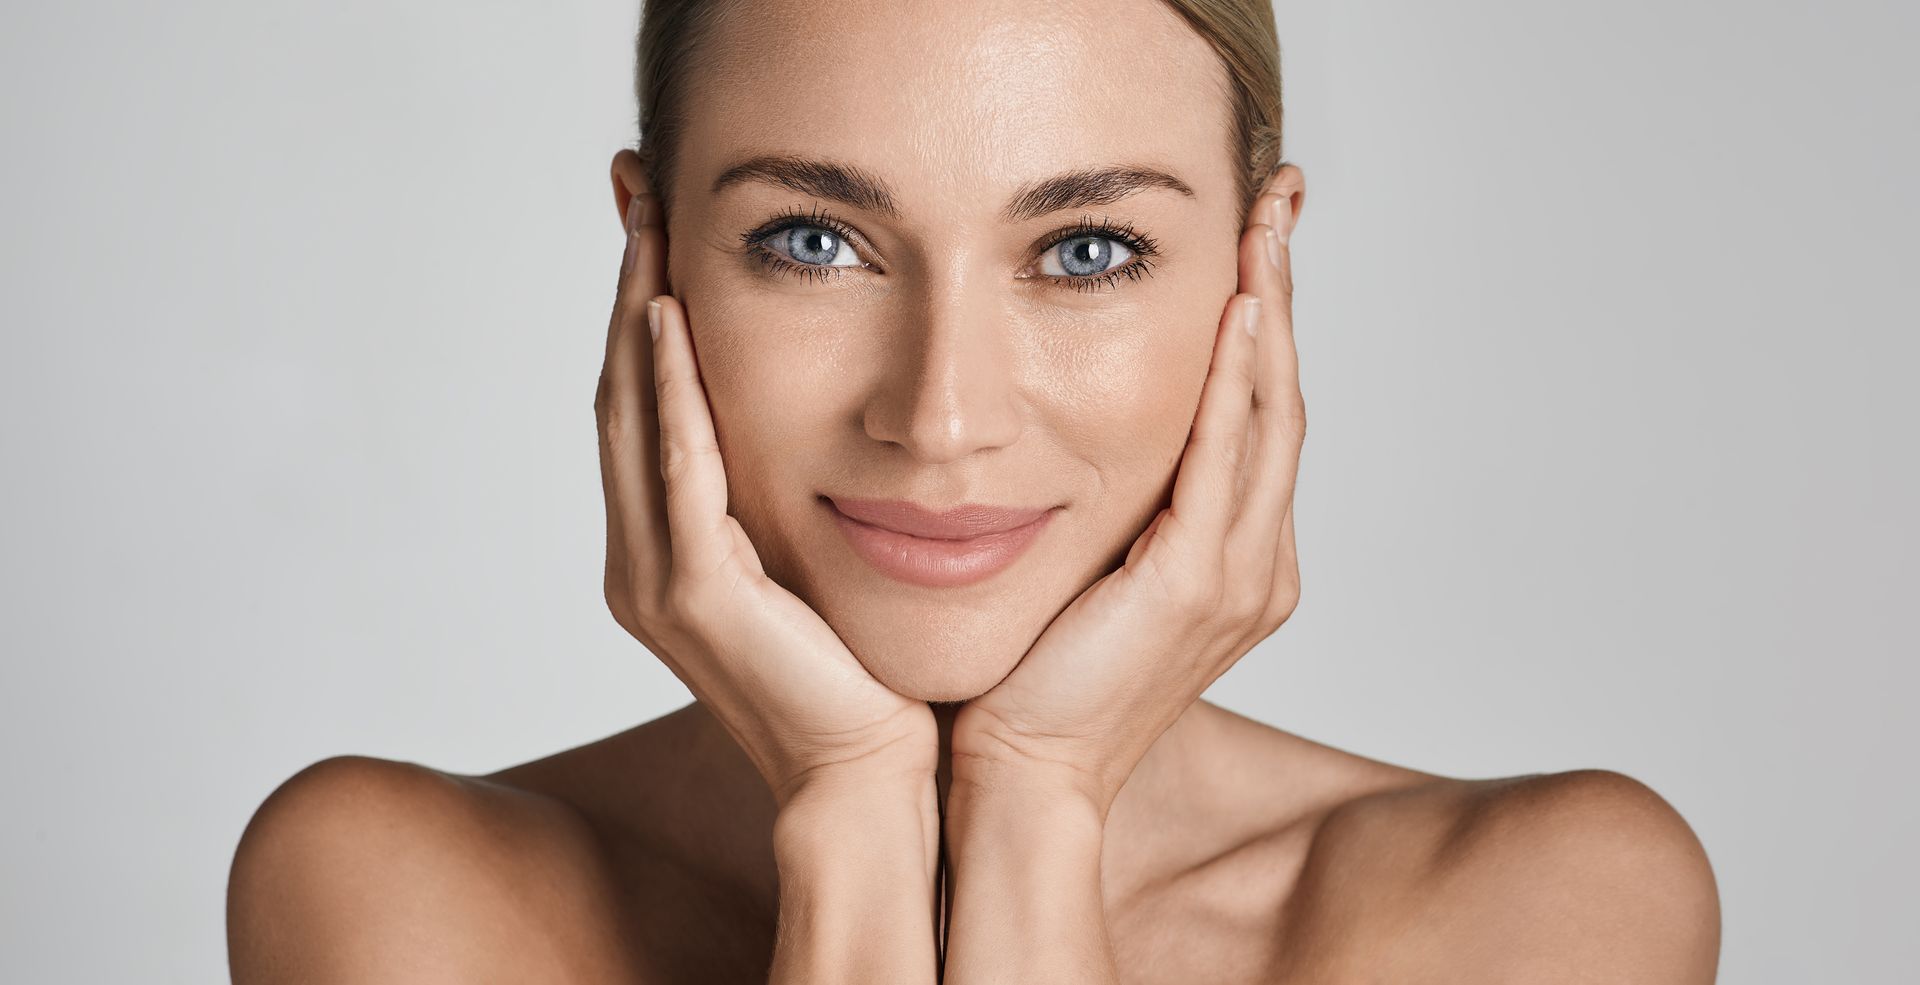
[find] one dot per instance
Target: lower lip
(937, 563)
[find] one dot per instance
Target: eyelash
(1139, 244)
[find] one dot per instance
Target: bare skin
(1236, 853)
(1011, 781)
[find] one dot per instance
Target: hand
(1212, 575)
(683, 578)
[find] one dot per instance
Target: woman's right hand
(683, 578)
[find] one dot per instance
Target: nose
(951, 388)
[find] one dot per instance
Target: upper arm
(363, 870)
(1587, 875)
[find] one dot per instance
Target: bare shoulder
(367, 870)
(1586, 875)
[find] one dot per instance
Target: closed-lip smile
(937, 548)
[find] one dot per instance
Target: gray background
(1602, 326)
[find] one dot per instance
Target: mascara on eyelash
(1141, 246)
(1135, 241)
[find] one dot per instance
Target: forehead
(956, 103)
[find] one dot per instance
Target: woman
(954, 461)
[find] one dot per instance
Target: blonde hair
(673, 33)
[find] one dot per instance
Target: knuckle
(1291, 414)
(622, 604)
(678, 455)
(666, 387)
(617, 605)
(1234, 446)
(620, 589)
(1285, 599)
(1244, 373)
(616, 424)
(673, 457)
(671, 388)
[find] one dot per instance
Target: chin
(950, 660)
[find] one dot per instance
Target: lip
(937, 548)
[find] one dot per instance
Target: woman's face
(909, 310)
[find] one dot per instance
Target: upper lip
(962, 522)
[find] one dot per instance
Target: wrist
(857, 863)
(1026, 869)
(1020, 783)
(1017, 813)
(884, 808)
(879, 777)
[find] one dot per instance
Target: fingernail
(1273, 247)
(653, 318)
(650, 210)
(633, 251)
(1250, 315)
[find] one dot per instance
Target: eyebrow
(862, 189)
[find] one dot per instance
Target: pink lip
(937, 549)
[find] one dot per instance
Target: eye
(1095, 253)
(813, 246)
(1092, 255)
(1084, 256)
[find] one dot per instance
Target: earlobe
(629, 179)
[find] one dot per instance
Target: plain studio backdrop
(1604, 332)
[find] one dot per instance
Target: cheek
(762, 367)
(768, 421)
(777, 397)
(1126, 401)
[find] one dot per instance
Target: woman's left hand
(1211, 576)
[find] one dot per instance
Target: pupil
(811, 244)
(1086, 255)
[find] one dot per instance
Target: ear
(629, 179)
(1281, 199)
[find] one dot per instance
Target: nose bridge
(951, 388)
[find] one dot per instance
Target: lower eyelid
(1106, 280)
(780, 265)
(1137, 266)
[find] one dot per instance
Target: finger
(694, 478)
(1289, 553)
(1279, 420)
(1204, 489)
(1146, 537)
(615, 409)
(625, 405)
(1285, 594)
